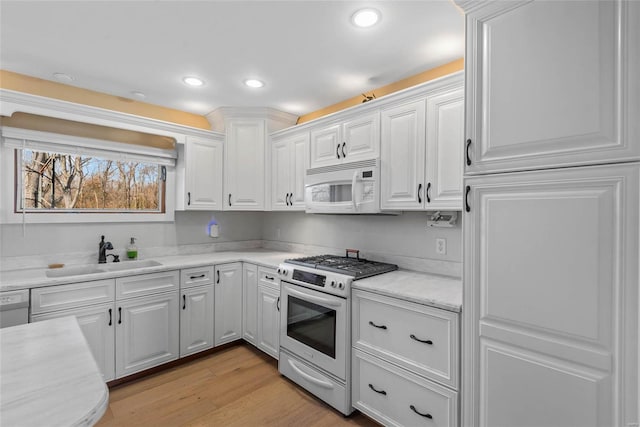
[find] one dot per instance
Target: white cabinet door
(269, 320)
(552, 84)
(551, 298)
(97, 324)
(147, 332)
(445, 140)
(361, 138)
(280, 174)
(326, 145)
(244, 164)
(250, 302)
(299, 149)
(228, 303)
(402, 156)
(203, 173)
(196, 319)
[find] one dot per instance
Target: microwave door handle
(353, 191)
(314, 299)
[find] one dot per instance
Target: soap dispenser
(132, 249)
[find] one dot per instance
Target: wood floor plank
(238, 386)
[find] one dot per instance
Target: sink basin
(79, 270)
(128, 265)
(74, 270)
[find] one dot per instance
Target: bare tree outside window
(54, 181)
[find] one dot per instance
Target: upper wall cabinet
(289, 162)
(552, 84)
(244, 164)
(203, 173)
(350, 140)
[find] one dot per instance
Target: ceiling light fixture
(365, 18)
(254, 83)
(63, 77)
(193, 81)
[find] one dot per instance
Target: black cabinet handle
(197, 277)
(419, 191)
(229, 199)
(428, 192)
(290, 199)
(110, 319)
(344, 155)
(269, 278)
(413, 337)
(278, 304)
(286, 199)
(338, 151)
(189, 198)
(384, 393)
(119, 315)
(218, 273)
(184, 302)
(467, 151)
(377, 326)
(466, 199)
(413, 408)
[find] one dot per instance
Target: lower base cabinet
(269, 320)
(196, 320)
(228, 303)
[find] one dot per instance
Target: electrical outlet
(441, 246)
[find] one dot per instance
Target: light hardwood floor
(237, 386)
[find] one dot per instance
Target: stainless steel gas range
(315, 331)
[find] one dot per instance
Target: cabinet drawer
(147, 284)
(268, 277)
(396, 397)
(197, 276)
(420, 338)
(61, 297)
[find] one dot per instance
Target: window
(48, 177)
(56, 182)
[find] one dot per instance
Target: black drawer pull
(229, 199)
(467, 151)
(382, 392)
(428, 192)
(202, 276)
(377, 326)
(189, 198)
(110, 317)
(466, 199)
(419, 191)
(218, 274)
(269, 277)
(413, 337)
(413, 408)
(338, 151)
(344, 155)
(278, 304)
(184, 302)
(119, 315)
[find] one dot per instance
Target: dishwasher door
(14, 308)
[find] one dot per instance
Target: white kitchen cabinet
(203, 173)
(228, 303)
(552, 84)
(98, 326)
(147, 332)
(402, 156)
(551, 297)
(249, 302)
(244, 164)
(289, 162)
(350, 140)
(196, 319)
(445, 136)
(269, 312)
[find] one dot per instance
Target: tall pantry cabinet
(551, 226)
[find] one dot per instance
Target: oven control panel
(323, 281)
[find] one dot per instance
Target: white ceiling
(307, 52)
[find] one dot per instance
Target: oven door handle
(316, 381)
(353, 191)
(317, 300)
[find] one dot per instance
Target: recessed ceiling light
(193, 81)
(254, 83)
(63, 77)
(364, 18)
(138, 94)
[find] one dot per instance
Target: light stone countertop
(48, 376)
(429, 289)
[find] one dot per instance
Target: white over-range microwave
(347, 188)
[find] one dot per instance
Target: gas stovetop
(357, 268)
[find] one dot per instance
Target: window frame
(9, 179)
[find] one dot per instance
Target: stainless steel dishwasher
(14, 308)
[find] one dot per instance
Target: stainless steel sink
(79, 270)
(128, 265)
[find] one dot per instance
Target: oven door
(314, 327)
